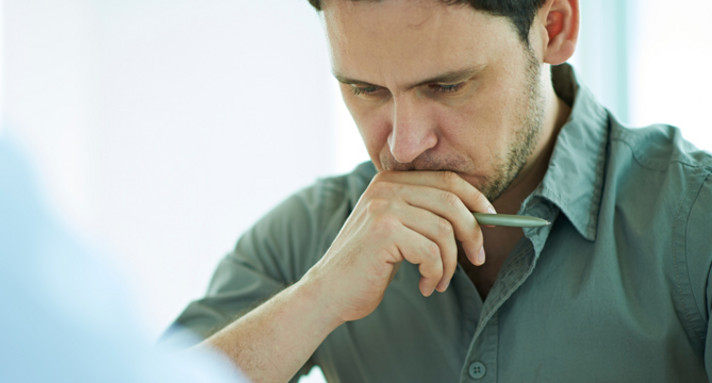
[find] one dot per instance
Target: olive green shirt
(615, 290)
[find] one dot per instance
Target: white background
(163, 129)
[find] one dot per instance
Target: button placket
(481, 365)
(483, 348)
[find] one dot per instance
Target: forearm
(273, 341)
(402, 216)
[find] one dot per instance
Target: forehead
(404, 40)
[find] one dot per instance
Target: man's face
(437, 87)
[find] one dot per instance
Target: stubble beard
(531, 116)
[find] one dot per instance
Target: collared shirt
(615, 290)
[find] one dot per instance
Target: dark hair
(519, 12)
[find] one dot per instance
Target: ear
(560, 19)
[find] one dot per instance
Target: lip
(427, 163)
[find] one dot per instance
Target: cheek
(480, 119)
(492, 112)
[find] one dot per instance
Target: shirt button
(477, 370)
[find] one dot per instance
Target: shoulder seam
(659, 166)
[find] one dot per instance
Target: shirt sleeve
(276, 252)
(273, 254)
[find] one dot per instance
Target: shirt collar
(574, 179)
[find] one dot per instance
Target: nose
(412, 132)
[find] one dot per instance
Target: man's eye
(446, 88)
(363, 90)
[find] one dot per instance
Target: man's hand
(416, 216)
(413, 216)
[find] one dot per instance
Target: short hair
(519, 12)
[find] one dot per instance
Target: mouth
(458, 166)
(426, 163)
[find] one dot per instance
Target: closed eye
(446, 88)
(363, 89)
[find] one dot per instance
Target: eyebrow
(446, 78)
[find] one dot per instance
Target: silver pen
(509, 220)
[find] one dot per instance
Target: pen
(509, 220)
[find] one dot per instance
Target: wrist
(316, 296)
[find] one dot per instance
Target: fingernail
(442, 286)
(481, 256)
(491, 210)
(426, 291)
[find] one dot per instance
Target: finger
(420, 250)
(438, 230)
(445, 180)
(430, 195)
(451, 208)
(470, 197)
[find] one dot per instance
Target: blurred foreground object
(65, 315)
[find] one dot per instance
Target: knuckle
(386, 225)
(444, 227)
(384, 189)
(380, 176)
(449, 180)
(377, 206)
(481, 199)
(451, 200)
(432, 250)
(375, 189)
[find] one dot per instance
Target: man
(383, 275)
